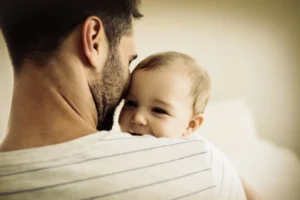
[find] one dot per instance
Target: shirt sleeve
(228, 183)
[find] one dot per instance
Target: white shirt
(112, 165)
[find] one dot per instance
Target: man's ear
(194, 124)
(92, 38)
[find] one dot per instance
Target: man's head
(167, 96)
(91, 37)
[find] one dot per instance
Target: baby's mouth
(135, 134)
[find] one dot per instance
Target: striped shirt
(112, 165)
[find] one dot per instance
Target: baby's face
(158, 104)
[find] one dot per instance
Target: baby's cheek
(178, 128)
(168, 130)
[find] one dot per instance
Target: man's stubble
(109, 92)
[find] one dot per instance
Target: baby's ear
(194, 124)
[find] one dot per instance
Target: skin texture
(159, 103)
(73, 94)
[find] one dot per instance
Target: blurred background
(251, 50)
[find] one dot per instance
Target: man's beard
(109, 92)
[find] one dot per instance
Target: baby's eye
(160, 111)
(130, 104)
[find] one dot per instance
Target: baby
(167, 97)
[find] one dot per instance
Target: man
(71, 62)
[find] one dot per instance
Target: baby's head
(167, 97)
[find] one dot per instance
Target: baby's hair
(200, 81)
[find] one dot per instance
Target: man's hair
(35, 29)
(199, 79)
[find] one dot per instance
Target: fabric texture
(113, 165)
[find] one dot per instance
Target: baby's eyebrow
(159, 101)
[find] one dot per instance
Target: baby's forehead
(160, 84)
(162, 81)
(181, 73)
(162, 73)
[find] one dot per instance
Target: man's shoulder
(104, 144)
(123, 143)
(109, 164)
(114, 164)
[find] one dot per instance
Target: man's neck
(45, 111)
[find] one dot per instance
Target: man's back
(109, 165)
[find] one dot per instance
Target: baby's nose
(139, 119)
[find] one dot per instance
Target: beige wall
(250, 48)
